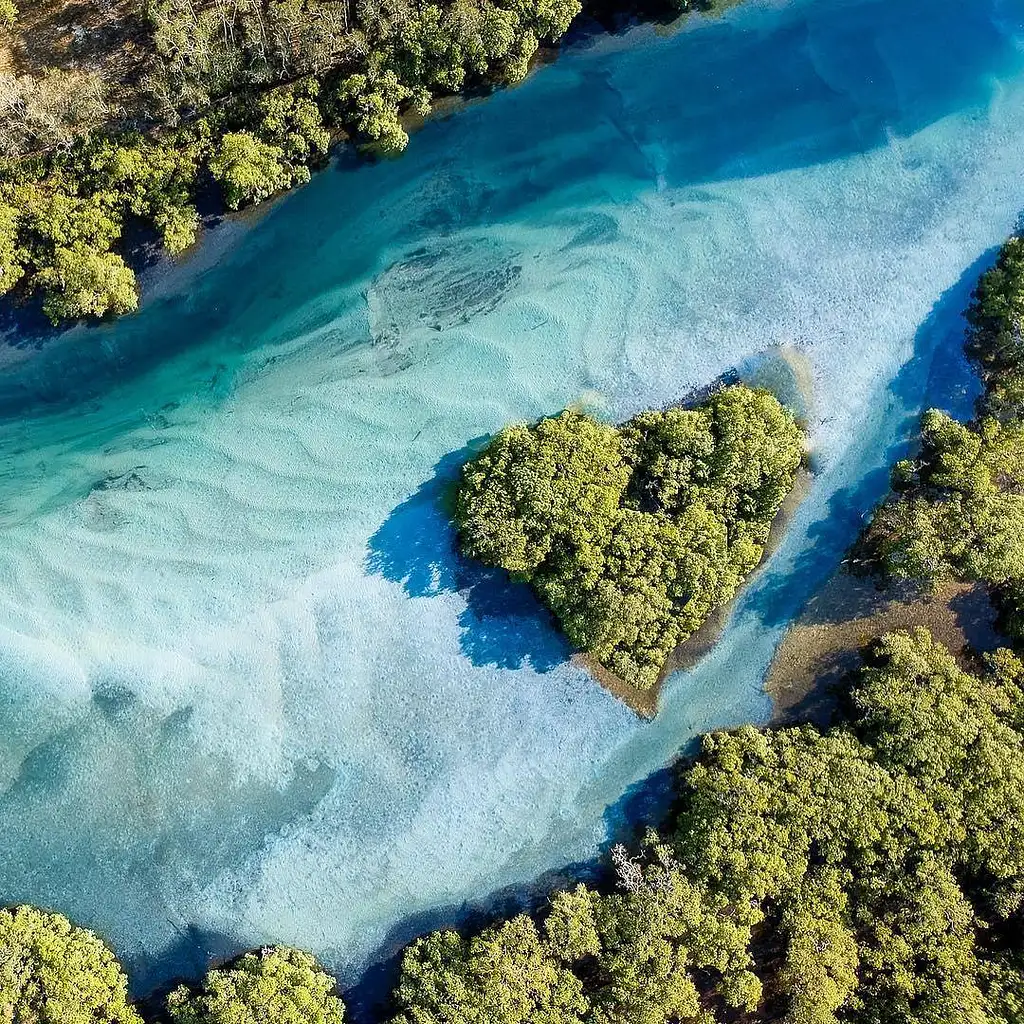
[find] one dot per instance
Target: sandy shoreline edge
(822, 647)
(644, 703)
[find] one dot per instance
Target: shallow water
(248, 692)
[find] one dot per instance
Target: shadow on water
(503, 624)
(190, 957)
(416, 547)
(937, 373)
(368, 1001)
(644, 804)
(789, 88)
(683, 143)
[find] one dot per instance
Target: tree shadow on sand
(503, 624)
(184, 962)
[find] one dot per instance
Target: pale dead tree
(311, 38)
(51, 111)
(262, 35)
(368, 11)
(62, 106)
(628, 872)
(12, 116)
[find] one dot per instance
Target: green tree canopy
(54, 973)
(275, 985)
(504, 975)
(633, 536)
(956, 510)
(85, 282)
(248, 169)
(870, 873)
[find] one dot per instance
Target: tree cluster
(957, 509)
(246, 92)
(52, 972)
(274, 985)
(871, 874)
(633, 535)
(376, 58)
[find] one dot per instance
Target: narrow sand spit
(823, 645)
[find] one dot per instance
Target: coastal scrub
(633, 535)
(869, 873)
(171, 97)
(53, 972)
(277, 983)
(956, 510)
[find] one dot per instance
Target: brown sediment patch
(110, 37)
(644, 703)
(699, 643)
(823, 646)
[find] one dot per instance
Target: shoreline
(645, 703)
(24, 330)
(786, 372)
(29, 341)
(822, 646)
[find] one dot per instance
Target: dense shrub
(633, 536)
(243, 91)
(995, 341)
(870, 873)
(957, 509)
(276, 985)
(61, 220)
(504, 975)
(82, 282)
(54, 973)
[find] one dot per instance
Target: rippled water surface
(247, 691)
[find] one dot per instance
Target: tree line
(956, 510)
(871, 872)
(244, 94)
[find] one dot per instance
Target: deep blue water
(248, 691)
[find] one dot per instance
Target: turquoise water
(248, 693)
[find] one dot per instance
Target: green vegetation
(870, 873)
(277, 984)
(54, 973)
(957, 509)
(994, 344)
(867, 873)
(244, 92)
(633, 535)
